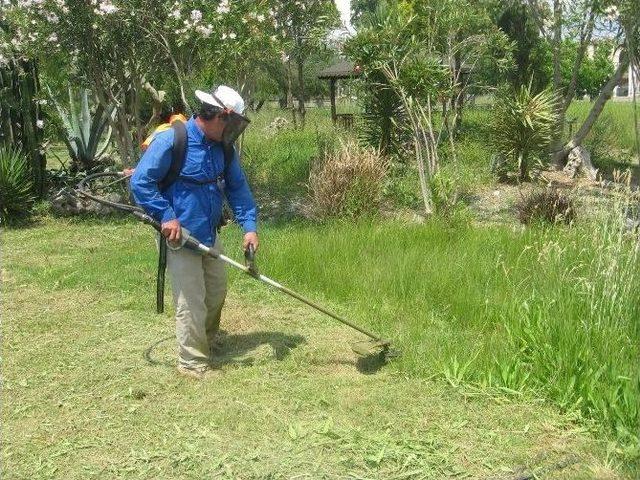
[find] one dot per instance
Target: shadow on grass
(239, 349)
(368, 365)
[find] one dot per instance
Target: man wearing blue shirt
(194, 201)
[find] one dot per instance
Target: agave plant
(87, 135)
(522, 126)
(16, 186)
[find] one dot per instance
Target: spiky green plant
(84, 130)
(16, 186)
(522, 126)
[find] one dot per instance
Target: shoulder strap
(177, 155)
(228, 151)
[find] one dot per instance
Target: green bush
(522, 127)
(16, 186)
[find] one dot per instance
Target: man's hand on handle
(250, 238)
(171, 230)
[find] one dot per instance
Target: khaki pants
(199, 285)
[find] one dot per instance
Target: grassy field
(90, 389)
(520, 348)
(612, 140)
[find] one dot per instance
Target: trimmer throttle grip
(250, 259)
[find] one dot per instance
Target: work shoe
(197, 373)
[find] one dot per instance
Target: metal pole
(207, 251)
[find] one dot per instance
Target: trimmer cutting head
(370, 348)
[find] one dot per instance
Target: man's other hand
(171, 230)
(250, 238)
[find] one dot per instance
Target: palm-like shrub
(16, 186)
(522, 126)
(381, 40)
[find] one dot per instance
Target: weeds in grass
(578, 342)
(548, 310)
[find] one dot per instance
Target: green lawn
(90, 389)
(520, 348)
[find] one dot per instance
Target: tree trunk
(596, 109)
(458, 99)
(585, 40)
(290, 102)
(156, 100)
(556, 141)
(523, 167)
(301, 94)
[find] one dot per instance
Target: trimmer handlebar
(185, 236)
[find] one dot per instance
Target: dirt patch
(496, 204)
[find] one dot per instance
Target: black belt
(219, 180)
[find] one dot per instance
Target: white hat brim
(207, 98)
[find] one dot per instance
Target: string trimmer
(375, 345)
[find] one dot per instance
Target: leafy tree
(595, 70)
(121, 48)
(414, 56)
(409, 35)
(529, 54)
(303, 27)
(578, 21)
(362, 10)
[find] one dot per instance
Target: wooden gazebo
(333, 73)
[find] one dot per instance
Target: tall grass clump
(579, 342)
(347, 182)
(549, 310)
(16, 186)
(548, 205)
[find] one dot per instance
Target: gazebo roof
(341, 69)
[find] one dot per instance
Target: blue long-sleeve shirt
(197, 206)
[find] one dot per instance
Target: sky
(344, 6)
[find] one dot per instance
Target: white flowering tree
(123, 50)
